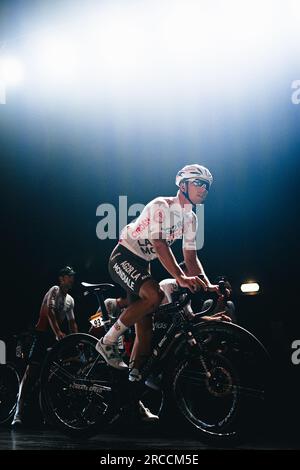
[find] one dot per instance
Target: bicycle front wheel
(208, 398)
(223, 390)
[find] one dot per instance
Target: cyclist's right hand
(194, 283)
(60, 335)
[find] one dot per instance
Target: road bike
(212, 376)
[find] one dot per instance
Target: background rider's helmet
(194, 171)
(66, 271)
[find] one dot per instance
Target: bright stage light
(11, 71)
(57, 58)
(161, 47)
(250, 288)
(201, 34)
(160, 53)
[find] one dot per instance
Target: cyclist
(150, 236)
(56, 306)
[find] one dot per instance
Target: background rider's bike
(10, 377)
(212, 376)
(9, 388)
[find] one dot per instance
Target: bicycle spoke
(59, 372)
(199, 378)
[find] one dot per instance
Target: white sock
(115, 331)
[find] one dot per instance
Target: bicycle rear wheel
(9, 389)
(76, 386)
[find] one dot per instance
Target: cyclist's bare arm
(193, 264)
(195, 268)
(168, 260)
(54, 325)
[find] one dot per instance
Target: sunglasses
(198, 182)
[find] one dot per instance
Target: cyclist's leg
(30, 376)
(140, 352)
(150, 298)
(131, 273)
(36, 356)
(142, 345)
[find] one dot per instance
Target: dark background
(63, 154)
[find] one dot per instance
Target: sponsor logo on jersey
(123, 276)
(141, 227)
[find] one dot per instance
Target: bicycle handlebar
(180, 302)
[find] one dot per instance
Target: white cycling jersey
(162, 218)
(62, 304)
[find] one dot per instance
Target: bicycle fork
(197, 348)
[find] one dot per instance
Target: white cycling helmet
(194, 171)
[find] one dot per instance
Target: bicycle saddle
(97, 287)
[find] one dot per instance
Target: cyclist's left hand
(216, 288)
(60, 335)
(220, 316)
(213, 288)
